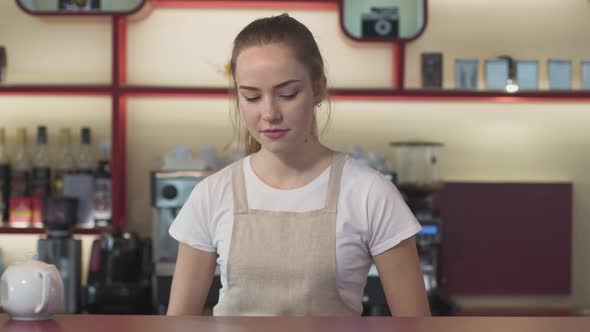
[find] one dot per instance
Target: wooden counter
(96, 323)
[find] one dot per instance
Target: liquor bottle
(102, 186)
(85, 160)
(4, 178)
(20, 201)
(40, 175)
(84, 181)
(65, 161)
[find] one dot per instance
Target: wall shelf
(36, 230)
(57, 89)
(373, 94)
(348, 94)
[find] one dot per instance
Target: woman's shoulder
(362, 179)
(222, 176)
(355, 169)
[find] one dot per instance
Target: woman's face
(275, 97)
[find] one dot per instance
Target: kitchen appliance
(31, 290)
(170, 189)
(59, 248)
(428, 243)
(420, 184)
(417, 165)
(119, 274)
(425, 206)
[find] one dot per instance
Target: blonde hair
(286, 30)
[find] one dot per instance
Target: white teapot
(31, 290)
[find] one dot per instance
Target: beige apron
(283, 263)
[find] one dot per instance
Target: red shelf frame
(36, 230)
(118, 90)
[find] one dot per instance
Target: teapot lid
(32, 260)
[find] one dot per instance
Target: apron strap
(239, 188)
(334, 183)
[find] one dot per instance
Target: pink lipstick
(275, 133)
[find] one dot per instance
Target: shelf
(351, 94)
(35, 230)
(495, 96)
(383, 94)
(106, 90)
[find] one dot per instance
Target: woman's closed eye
(251, 98)
(289, 96)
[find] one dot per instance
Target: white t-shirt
(372, 217)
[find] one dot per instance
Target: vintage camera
(78, 5)
(381, 22)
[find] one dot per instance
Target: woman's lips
(275, 133)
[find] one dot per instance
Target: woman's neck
(291, 170)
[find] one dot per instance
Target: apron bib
(283, 263)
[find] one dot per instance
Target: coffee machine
(170, 189)
(417, 179)
(424, 203)
(58, 247)
(119, 274)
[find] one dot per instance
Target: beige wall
(544, 141)
(45, 50)
(196, 44)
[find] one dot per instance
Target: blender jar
(416, 164)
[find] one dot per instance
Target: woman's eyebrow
(280, 85)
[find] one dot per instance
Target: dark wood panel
(507, 238)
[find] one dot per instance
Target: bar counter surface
(92, 323)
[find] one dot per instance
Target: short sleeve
(192, 223)
(390, 219)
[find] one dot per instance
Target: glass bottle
(85, 160)
(102, 186)
(20, 202)
(40, 174)
(65, 161)
(4, 178)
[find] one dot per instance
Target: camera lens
(383, 27)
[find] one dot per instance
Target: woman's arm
(192, 279)
(401, 277)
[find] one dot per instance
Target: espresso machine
(119, 274)
(170, 189)
(58, 247)
(424, 203)
(417, 179)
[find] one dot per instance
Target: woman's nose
(271, 112)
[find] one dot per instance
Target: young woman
(294, 226)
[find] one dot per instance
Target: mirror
(383, 20)
(80, 6)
